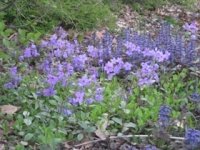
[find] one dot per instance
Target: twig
(125, 136)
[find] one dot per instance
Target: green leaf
(2, 26)
(3, 55)
(130, 125)
(117, 120)
(53, 102)
(90, 129)
(6, 42)
(8, 32)
(80, 136)
(28, 121)
(28, 136)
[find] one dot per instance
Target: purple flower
(15, 79)
(131, 47)
(191, 27)
(147, 75)
(164, 116)
(150, 147)
(99, 94)
(58, 53)
(34, 51)
(192, 139)
(109, 67)
(80, 61)
(49, 91)
(127, 66)
(157, 55)
(78, 99)
(52, 80)
(70, 69)
(66, 112)
(45, 66)
(92, 51)
(93, 72)
(195, 97)
(29, 52)
(89, 101)
(13, 71)
(9, 85)
(113, 67)
(84, 81)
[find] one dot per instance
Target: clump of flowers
(195, 97)
(191, 27)
(30, 52)
(164, 116)
(114, 67)
(192, 139)
(147, 75)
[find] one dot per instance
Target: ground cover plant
(131, 84)
(79, 14)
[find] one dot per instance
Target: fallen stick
(125, 136)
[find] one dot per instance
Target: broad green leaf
(6, 42)
(117, 120)
(3, 55)
(80, 136)
(130, 125)
(28, 121)
(53, 102)
(28, 136)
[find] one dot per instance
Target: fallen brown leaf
(9, 109)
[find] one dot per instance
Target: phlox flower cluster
(130, 52)
(114, 67)
(30, 52)
(147, 75)
(65, 65)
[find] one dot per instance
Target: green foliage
(44, 15)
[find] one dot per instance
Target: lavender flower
(192, 139)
